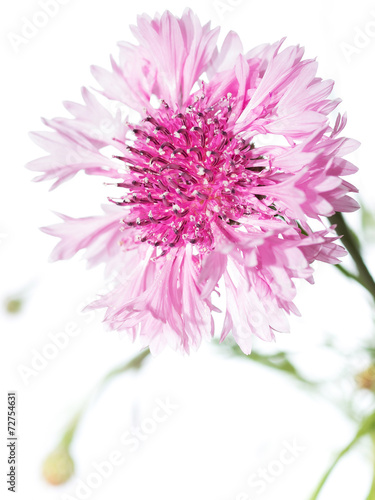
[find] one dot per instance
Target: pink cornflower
(216, 181)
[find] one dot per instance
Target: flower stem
(351, 244)
(367, 427)
(69, 433)
(371, 495)
(347, 273)
(133, 364)
(278, 361)
(328, 472)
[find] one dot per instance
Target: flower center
(186, 173)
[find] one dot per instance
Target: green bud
(366, 379)
(58, 467)
(13, 306)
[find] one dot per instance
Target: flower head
(229, 157)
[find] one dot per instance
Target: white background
(233, 415)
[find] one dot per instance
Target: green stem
(348, 274)
(328, 472)
(133, 364)
(69, 433)
(371, 495)
(277, 361)
(364, 276)
(367, 427)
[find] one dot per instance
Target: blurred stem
(371, 495)
(367, 426)
(133, 364)
(277, 361)
(351, 244)
(68, 435)
(328, 473)
(347, 273)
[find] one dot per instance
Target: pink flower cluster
(217, 180)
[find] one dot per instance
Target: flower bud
(58, 467)
(13, 306)
(366, 379)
